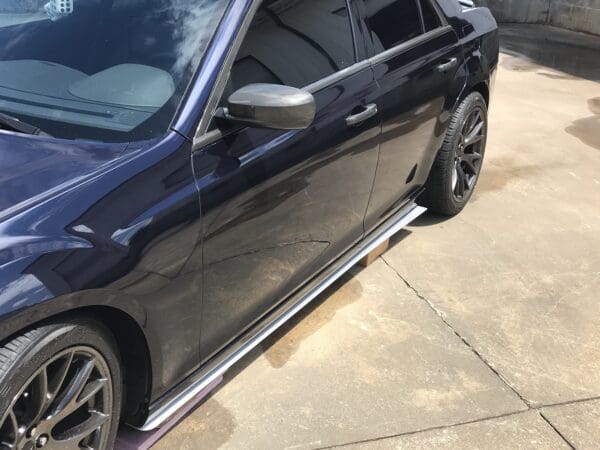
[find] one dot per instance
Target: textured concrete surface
(518, 431)
(578, 422)
(371, 360)
(577, 15)
(481, 331)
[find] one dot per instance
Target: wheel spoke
(11, 423)
(57, 377)
(41, 395)
(474, 135)
(67, 402)
(470, 159)
(460, 185)
(73, 436)
(91, 389)
(471, 122)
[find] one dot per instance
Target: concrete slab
(519, 431)
(517, 273)
(372, 360)
(578, 422)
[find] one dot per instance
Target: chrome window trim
(329, 80)
(204, 137)
(412, 43)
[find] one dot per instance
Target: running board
(169, 404)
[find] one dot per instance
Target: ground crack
(556, 430)
(442, 316)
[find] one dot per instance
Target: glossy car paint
(162, 243)
(277, 205)
(111, 236)
(416, 101)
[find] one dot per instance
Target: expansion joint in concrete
(442, 317)
(556, 430)
(423, 430)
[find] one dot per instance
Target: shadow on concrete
(531, 46)
(277, 349)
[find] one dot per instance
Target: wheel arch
(135, 358)
(132, 344)
(483, 89)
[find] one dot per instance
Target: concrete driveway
(478, 331)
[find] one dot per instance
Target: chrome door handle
(356, 119)
(448, 65)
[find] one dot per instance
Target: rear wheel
(456, 169)
(61, 388)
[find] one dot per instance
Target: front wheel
(456, 169)
(60, 387)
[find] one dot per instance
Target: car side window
(392, 22)
(431, 18)
(294, 43)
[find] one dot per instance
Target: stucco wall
(579, 15)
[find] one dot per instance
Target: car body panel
(139, 228)
(278, 206)
(113, 237)
(416, 101)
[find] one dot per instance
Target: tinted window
(294, 42)
(392, 22)
(430, 16)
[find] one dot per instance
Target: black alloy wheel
(457, 166)
(468, 155)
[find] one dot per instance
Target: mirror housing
(271, 106)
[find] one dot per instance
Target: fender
(480, 40)
(127, 238)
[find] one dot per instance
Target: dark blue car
(180, 177)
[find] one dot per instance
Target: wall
(579, 15)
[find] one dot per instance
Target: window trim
(203, 135)
(405, 46)
(421, 18)
(212, 136)
(436, 9)
(208, 137)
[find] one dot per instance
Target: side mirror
(271, 106)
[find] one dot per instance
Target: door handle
(448, 65)
(356, 119)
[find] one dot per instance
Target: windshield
(109, 70)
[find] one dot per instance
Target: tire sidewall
(53, 339)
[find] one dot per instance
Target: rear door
(416, 58)
(277, 206)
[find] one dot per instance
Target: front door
(277, 206)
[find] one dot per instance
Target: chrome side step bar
(161, 411)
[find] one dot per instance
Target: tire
(445, 192)
(79, 361)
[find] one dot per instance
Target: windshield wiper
(13, 124)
